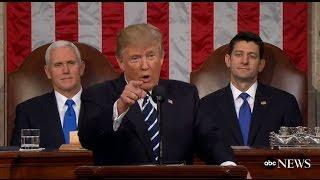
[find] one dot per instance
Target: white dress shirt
(238, 100)
(62, 107)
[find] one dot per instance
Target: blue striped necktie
(69, 121)
(245, 117)
(150, 118)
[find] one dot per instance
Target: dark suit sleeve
(95, 128)
(292, 116)
(21, 122)
(211, 148)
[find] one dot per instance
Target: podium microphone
(158, 96)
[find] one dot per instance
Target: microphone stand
(160, 160)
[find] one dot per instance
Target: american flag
(192, 30)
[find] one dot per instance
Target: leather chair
(279, 72)
(30, 79)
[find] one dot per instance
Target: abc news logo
(287, 163)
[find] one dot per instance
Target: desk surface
(61, 164)
(42, 165)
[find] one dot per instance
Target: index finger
(136, 83)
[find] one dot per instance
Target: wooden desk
(254, 160)
(162, 172)
(42, 165)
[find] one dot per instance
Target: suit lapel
(134, 115)
(53, 119)
(136, 118)
(261, 105)
(227, 106)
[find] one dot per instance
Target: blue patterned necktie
(245, 117)
(69, 121)
(150, 118)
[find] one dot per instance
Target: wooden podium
(161, 172)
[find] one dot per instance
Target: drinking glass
(30, 138)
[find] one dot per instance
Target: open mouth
(146, 78)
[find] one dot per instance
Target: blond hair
(137, 33)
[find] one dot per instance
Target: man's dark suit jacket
(130, 144)
(272, 109)
(40, 112)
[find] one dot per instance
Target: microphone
(158, 96)
(158, 93)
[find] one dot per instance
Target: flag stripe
(158, 15)
(134, 13)
(271, 27)
(295, 33)
(112, 23)
(248, 17)
(90, 24)
(66, 16)
(43, 14)
(18, 34)
(186, 44)
(180, 40)
(201, 32)
(225, 22)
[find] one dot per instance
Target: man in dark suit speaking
(121, 125)
(246, 110)
(55, 113)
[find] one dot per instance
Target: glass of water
(30, 138)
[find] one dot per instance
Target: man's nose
(65, 68)
(144, 63)
(245, 59)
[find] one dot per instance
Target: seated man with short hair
(246, 110)
(55, 113)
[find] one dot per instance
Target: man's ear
(227, 59)
(82, 67)
(46, 70)
(120, 62)
(262, 64)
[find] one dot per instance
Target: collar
(61, 99)
(251, 91)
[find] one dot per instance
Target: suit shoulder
(178, 84)
(277, 93)
(101, 94)
(216, 95)
(100, 87)
(35, 101)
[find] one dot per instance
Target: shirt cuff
(228, 163)
(117, 119)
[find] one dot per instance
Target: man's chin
(147, 86)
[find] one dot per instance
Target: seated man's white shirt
(62, 107)
(238, 100)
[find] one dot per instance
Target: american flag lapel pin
(263, 102)
(170, 101)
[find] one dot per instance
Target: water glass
(317, 131)
(30, 138)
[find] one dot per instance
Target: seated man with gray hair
(55, 113)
